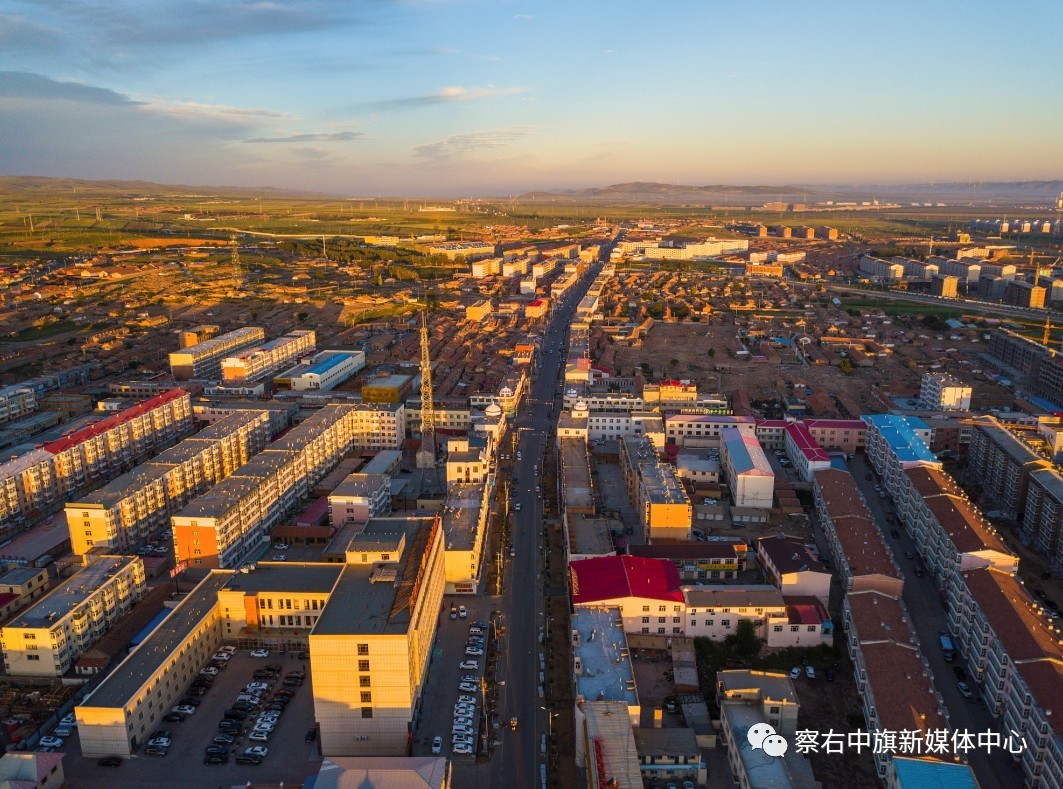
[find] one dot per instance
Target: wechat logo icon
(763, 736)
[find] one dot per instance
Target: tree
(712, 352)
(846, 366)
(744, 642)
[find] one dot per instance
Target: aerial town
(566, 502)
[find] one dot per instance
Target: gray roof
(461, 516)
(71, 593)
(757, 596)
(315, 578)
(123, 683)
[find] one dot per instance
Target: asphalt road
(970, 305)
(516, 758)
(926, 610)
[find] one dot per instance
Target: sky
(471, 97)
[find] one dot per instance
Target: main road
(517, 759)
(959, 304)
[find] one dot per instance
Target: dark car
(151, 750)
(219, 749)
(285, 694)
(276, 706)
(311, 734)
(243, 706)
(276, 668)
(895, 534)
(295, 675)
(292, 683)
(229, 726)
(174, 717)
(110, 761)
(961, 675)
(304, 656)
(263, 674)
(234, 714)
(221, 738)
(248, 758)
(161, 733)
(216, 758)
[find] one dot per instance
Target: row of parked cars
(463, 728)
(259, 700)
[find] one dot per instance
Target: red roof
(614, 577)
(111, 422)
(7, 597)
(808, 446)
(805, 610)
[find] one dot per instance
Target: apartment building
(655, 491)
(358, 498)
(1043, 515)
(46, 639)
(369, 649)
(1013, 654)
(1017, 352)
(451, 416)
(464, 522)
(804, 452)
(23, 585)
(699, 561)
(749, 475)
(224, 526)
(203, 360)
(1000, 462)
(468, 460)
(944, 392)
(614, 425)
(261, 361)
(32, 483)
(892, 676)
(16, 402)
(896, 443)
(322, 372)
(577, 485)
(858, 550)
(948, 530)
(1025, 294)
(964, 270)
(123, 514)
(945, 286)
(881, 269)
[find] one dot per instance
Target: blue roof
(931, 774)
(326, 364)
(899, 433)
(149, 628)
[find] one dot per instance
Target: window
(660, 631)
(363, 665)
(773, 710)
(363, 682)
(367, 712)
(662, 608)
(33, 657)
(794, 628)
(661, 619)
(363, 649)
(675, 620)
(645, 619)
(725, 622)
(367, 697)
(811, 628)
(777, 628)
(676, 630)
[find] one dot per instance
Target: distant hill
(31, 185)
(721, 194)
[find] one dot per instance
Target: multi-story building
(792, 569)
(1013, 654)
(203, 360)
(464, 521)
(1025, 294)
(369, 649)
(964, 270)
(358, 498)
(699, 561)
(468, 460)
(1043, 515)
(16, 402)
(123, 514)
(804, 452)
(262, 361)
(321, 372)
(1017, 352)
(860, 554)
(451, 416)
(896, 443)
(1000, 462)
(892, 676)
(749, 475)
(945, 286)
(614, 425)
(944, 392)
(948, 530)
(223, 527)
(655, 491)
(881, 269)
(36, 481)
(46, 639)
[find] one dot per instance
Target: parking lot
(291, 759)
(444, 675)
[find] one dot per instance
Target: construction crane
(238, 281)
(426, 456)
(1048, 331)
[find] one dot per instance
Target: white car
(474, 652)
(465, 738)
(468, 687)
(467, 700)
(222, 656)
(469, 678)
(462, 749)
(280, 547)
(462, 720)
(70, 719)
(160, 742)
(265, 726)
(257, 750)
(437, 746)
(516, 506)
(228, 650)
(209, 671)
(258, 686)
(470, 665)
(461, 730)
(260, 653)
(51, 742)
(259, 736)
(464, 709)
(185, 709)
(280, 557)
(462, 612)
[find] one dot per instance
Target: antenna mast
(426, 456)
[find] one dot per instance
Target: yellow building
(391, 389)
(47, 639)
(369, 650)
(464, 519)
(655, 490)
(478, 311)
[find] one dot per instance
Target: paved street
(926, 610)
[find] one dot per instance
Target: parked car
(463, 720)
(965, 690)
(259, 736)
(224, 739)
(437, 746)
(961, 675)
(70, 719)
(795, 672)
(463, 612)
(311, 734)
(154, 750)
(461, 730)
(247, 758)
(110, 761)
(63, 731)
(810, 672)
(257, 750)
(216, 758)
(174, 717)
(469, 665)
(474, 652)
(468, 687)
(260, 653)
(216, 749)
(51, 742)
(461, 749)
(185, 709)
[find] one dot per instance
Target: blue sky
(455, 97)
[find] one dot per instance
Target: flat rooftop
(899, 432)
(790, 770)
(34, 543)
(575, 467)
(382, 461)
(359, 485)
(591, 536)
(122, 683)
(311, 578)
(361, 605)
(461, 515)
(601, 642)
(774, 687)
(71, 593)
(389, 381)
